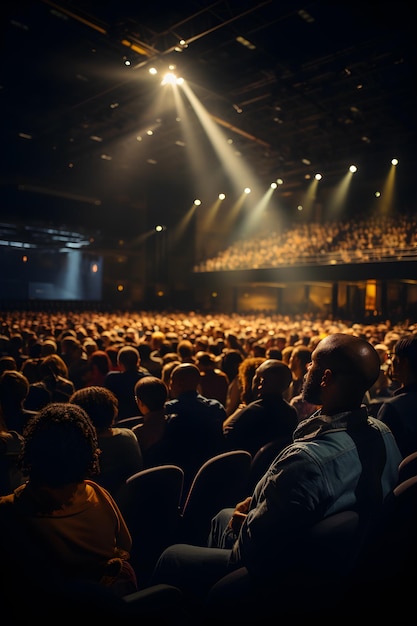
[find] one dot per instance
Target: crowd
(88, 399)
(380, 238)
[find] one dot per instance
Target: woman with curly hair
(61, 526)
(120, 452)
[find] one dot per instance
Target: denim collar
(319, 424)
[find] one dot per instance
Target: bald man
(268, 417)
(341, 459)
(193, 431)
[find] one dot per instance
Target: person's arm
(283, 505)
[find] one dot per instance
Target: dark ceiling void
(292, 89)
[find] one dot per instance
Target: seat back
(263, 459)
(393, 543)
(150, 503)
(129, 422)
(219, 483)
(387, 565)
(408, 467)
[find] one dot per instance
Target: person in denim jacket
(341, 459)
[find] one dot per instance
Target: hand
(239, 515)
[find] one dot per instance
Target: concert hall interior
(233, 155)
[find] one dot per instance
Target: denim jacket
(330, 467)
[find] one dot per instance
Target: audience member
(258, 349)
(151, 394)
(246, 372)
(232, 342)
(8, 363)
(16, 349)
(340, 459)
(89, 346)
(399, 411)
(14, 389)
(75, 358)
(152, 363)
(11, 441)
(268, 417)
(98, 366)
(120, 453)
(273, 353)
(383, 386)
(185, 351)
(213, 381)
(166, 374)
(193, 431)
(30, 369)
(113, 350)
(229, 364)
(60, 525)
(48, 346)
(122, 383)
(286, 353)
(298, 363)
(157, 339)
(54, 384)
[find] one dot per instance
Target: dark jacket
(260, 422)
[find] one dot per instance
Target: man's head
(205, 361)
(404, 360)
(128, 358)
(271, 377)
(184, 377)
(14, 388)
(343, 367)
(151, 393)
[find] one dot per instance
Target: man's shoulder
(398, 401)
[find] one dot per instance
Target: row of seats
(335, 546)
(337, 573)
(158, 513)
(151, 505)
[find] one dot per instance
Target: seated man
(193, 431)
(341, 459)
(151, 394)
(267, 418)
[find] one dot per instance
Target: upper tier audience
(354, 241)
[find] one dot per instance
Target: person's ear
(327, 378)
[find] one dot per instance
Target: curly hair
(60, 446)
(246, 372)
(100, 404)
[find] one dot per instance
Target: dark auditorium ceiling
(327, 82)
